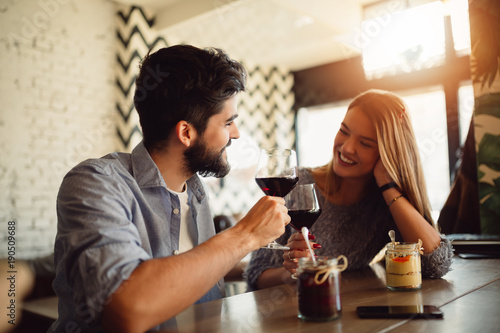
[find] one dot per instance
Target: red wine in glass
(303, 218)
(277, 186)
(277, 175)
(303, 206)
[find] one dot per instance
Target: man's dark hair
(183, 82)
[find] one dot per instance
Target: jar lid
(402, 246)
(321, 262)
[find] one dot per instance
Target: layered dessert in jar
(403, 266)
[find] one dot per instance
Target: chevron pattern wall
(135, 37)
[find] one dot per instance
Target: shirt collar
(147, 174)
(145, 171)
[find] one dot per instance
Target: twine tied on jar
(326, 271)
(420, 247)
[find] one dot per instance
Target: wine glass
(277, 175)
(303, 206)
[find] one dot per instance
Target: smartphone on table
(400, 311)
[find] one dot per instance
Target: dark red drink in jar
(319, 289)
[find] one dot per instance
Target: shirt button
(176, 211)
(176, 252)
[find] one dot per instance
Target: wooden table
(469, 296)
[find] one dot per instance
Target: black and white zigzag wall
(265, 110)
(135, 37)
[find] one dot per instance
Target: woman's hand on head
(380, 173)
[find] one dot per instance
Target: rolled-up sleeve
(437, 263)
(97, 245)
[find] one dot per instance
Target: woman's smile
(345, 160)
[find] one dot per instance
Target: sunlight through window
(403, 41)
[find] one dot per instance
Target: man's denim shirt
(114, 213)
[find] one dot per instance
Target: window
(316, 130)
(465, 109)
(402, 37)
(428, 115)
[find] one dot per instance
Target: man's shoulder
(97, 176)
(110, 164)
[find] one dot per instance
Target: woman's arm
(274, 277)
(411, 224)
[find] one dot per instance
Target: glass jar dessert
(403, 266)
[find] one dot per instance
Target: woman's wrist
(382, 178)
(394, 200)
(387, 186)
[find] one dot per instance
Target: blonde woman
(374, 183)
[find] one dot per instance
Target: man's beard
(198, 158)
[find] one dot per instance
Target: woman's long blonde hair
(397, 147)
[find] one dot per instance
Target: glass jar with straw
(319, 288)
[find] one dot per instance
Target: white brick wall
(56, 107)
